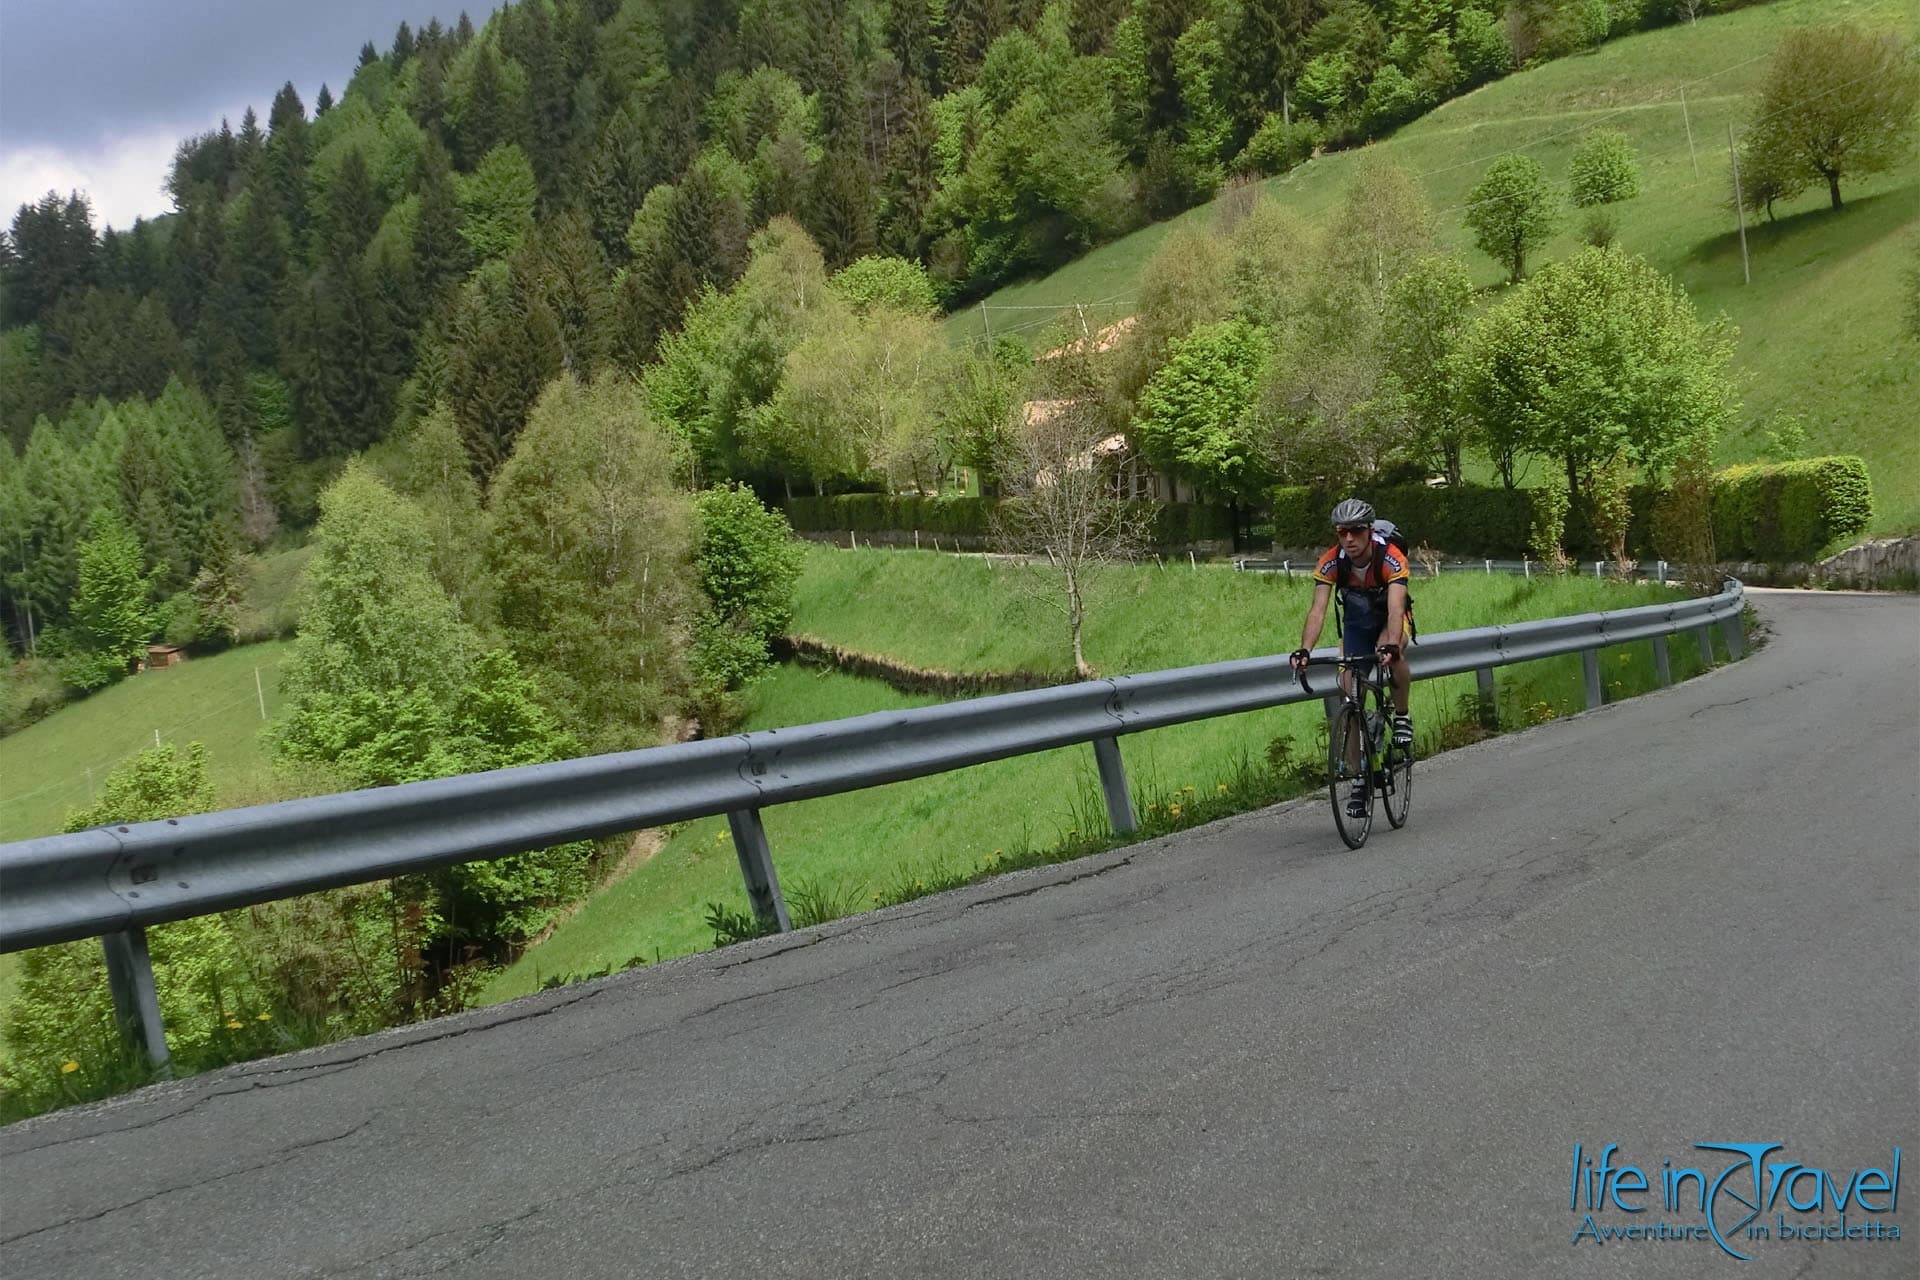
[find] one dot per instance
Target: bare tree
(259, 521)
(1064, 514)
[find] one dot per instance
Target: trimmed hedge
(1789, 510)
(1172, 524)
(1782, 511)
(1472, 520)
(874, 512)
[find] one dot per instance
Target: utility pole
(1739, 207)
(1688, 120)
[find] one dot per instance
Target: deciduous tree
(1839, 102)
(1512, 212)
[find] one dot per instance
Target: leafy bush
(1790, 510)
(61, 1029)
(29, 689)
(1276, 146)
(898, 283)
(1603, 169)
(748, 563)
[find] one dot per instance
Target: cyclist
(1371, 578)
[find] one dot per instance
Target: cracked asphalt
(1242, 1051)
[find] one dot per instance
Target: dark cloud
(77, 73)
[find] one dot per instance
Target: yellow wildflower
(68, 1067)
(233, 1024)
(1174, 809)
(1188, 790)
(1221, 788)
(265, 1017)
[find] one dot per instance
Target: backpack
(1385, 533)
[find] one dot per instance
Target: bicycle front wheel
(1346, 771)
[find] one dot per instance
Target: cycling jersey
(1363, 595)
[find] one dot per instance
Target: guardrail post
(1489, 707)
(756, 867)
(1590, 665)
(1526, 567)
(1662, 571)
(136, 1002)
(1113, 784)
(1705, 634)
(1662, 667)
(1489, 568)
(1599, 568)
(1736, 641)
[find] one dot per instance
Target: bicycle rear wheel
(1348, 742)
(1396, 791)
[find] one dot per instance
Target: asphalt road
(1244, 1051)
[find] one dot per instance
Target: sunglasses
(1355, 529)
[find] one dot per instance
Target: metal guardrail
(112, 882)
(1657, 571)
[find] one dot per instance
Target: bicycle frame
(1366, 759)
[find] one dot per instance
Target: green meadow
(961, 614)
(1819, 324)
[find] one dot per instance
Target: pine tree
(350, 211)
(484, 121)
(402, 46)
(252, 277)
(54, 255)
(563, 267)
(346, 363)
(112, 617)
(440, 254)
(502, 348)
(249, 144)
(288, 113)
(152, 493)
(286, 165)
(58, 491)
(1263, 58)
(618, 178)
(323, 103)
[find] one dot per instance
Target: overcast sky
(96, 94)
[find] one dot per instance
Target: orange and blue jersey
(1364, 606)
(1382, 571)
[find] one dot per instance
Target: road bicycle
(1360, 748)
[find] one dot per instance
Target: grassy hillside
(1819, 325)
(50, 768)
(958, 614)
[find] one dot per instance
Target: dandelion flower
(264, 1017)
(1174, 809)
(68, 1067)
(1188, 790)
(233, 1024)
(1221, 787)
